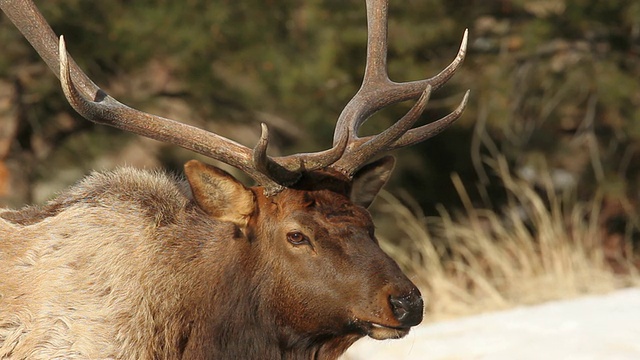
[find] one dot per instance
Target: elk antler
(95, 105)
(349, 152)
(377, 92)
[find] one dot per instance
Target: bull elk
(135, 264)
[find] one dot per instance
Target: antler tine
(430, 130)
(28, 19)
(377, 92)
(261, 163)
(368, 147)
(419, 134)
(413, 88)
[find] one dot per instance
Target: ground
(587, 328)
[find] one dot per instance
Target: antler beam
(95, 105)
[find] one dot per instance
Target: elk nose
(407, 309)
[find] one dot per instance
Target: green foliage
(541, 73)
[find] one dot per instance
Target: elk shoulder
(90, 266)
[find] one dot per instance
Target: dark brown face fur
(310, 258)
(330, 275)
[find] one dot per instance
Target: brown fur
(140, 265)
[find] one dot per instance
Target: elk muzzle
(407, 309)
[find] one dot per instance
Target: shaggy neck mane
(243, 326)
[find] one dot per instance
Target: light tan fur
(72, 290)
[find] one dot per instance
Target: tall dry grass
(540, 247)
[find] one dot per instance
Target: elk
(134, 264)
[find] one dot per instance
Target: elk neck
(239, 322)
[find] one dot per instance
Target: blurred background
(531, 195)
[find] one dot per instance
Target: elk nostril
(407, 309)
(399, 307)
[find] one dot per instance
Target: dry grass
(538, 248)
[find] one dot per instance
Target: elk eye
(297, 238)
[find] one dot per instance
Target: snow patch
(587, 328)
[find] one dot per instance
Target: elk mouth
(384, 332)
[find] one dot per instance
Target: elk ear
(368, 181)
(219, 194)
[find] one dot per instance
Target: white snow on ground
(605, 327)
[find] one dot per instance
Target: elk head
(318, 246)
(306, 219)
